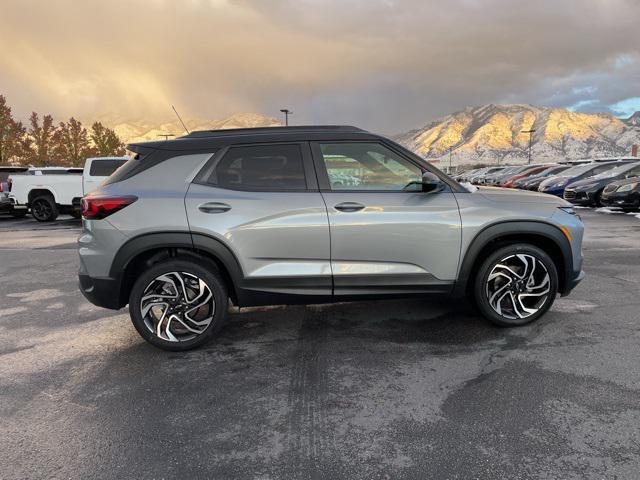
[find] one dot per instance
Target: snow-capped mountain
(493, 133)
(141, 131)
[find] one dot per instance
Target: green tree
(12, 134)
(105, 141)
(71, 145)
(41, 140)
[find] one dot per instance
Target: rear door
(262, 201)
(387, 236)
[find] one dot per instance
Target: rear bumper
(102, 292)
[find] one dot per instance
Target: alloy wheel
(41, 209)
(518, 286)
(177, 306)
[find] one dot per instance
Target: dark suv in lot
(308, 215)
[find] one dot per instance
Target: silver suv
(308, 215)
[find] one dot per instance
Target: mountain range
(131, 131)
(483, 134)
(494, 133)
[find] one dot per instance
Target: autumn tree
(12, 134)
(105, 141)
(71, 144)
(41, 139)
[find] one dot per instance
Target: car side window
(260, 167)
(368, 166)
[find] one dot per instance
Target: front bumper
(623, 200)
(571, 283)
(102, 292)
(578, 197)
(558, 192)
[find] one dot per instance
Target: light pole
(286, 112)
(530, 132)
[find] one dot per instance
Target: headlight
(628, 187)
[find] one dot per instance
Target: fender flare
(514, 227)
(185, 240)
(150, 241)
(47, 188)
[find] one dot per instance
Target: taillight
(95, 208)
(1, 187)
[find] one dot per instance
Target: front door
(387, 236)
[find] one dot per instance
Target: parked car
(556, 184)
(262, 216)
(587, 192)
(504, 179)
(49, 191)
(478, 179)
(622, 193)
(492, 179)
(508, 183)
(6, 203)
(533, 182)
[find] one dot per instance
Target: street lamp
(286, 112)
(530, 132)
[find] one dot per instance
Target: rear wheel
(516, 285)
(178, 304)
(44, 208)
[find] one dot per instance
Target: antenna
(178, 115)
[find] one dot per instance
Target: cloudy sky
(386, 65)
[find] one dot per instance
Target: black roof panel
(258, 130)
(216, 138)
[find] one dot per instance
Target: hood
(591, 181)
(508, 195)
(555, 179)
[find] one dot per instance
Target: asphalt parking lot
(397, 389)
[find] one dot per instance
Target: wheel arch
(145, 250)
(543, 235)
(36, 192)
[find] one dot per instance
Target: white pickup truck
(49, 191)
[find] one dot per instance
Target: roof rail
(257, 130)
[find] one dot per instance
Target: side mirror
(431, 182)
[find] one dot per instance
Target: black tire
(481, 287)
(44, 208)
(203, 270)
(20, 213)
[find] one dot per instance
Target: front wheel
(178, 304)
(516, 285)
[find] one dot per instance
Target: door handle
(214, 207)
(349, 207)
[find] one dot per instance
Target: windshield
(614, 172)
(578, 170)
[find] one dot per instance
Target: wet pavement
(395, 389)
